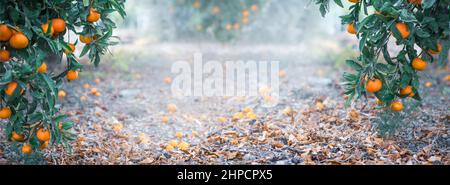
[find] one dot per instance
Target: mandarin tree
(30, 33)
(421, 30)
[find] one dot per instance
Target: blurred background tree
(256, 21)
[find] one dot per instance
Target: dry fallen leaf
(147, 161)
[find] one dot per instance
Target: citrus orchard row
(32, 32)
(224, 19)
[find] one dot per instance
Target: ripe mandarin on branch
(93, 16)
(4, 55)
(45, 28)
(415, 2)
(396, 106)
(43, 134)
(5, 113)
(374, 85)
(43, 145)
(5, 32)
(419, 64)
(10, 88)
(171, 108)
(26, 149)
(17, 137)
(351, 28)
(69, 49)
(86, 39)
(19, 41)
(403, 29)
(61, 93)
(72, 75)
(59, 25)
(407, 90)
(439, 49)
(42, 68)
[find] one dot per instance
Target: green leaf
(354, 65)
(339, 3)
(428, 3)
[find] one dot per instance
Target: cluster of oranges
(42, 134)
(11, 37)
(245, 19)
(419, 64)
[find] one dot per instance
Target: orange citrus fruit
(43, 145)
(10, 88)
(374, 86)
(403, 29)
(42, 68)
(26, 149)
(69, 49)
(415, 2)
(45, 27)
(351, 28)
(43, 134)
(4, 55)
(86, 39)
(5, 32)
(396, 106)
(72, 75)
(419, 64)
(19, 41)
(439, 49)
(17, 137)
(5, 113)
(93, 16)
(59, 25)
(407, 90)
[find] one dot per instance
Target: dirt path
(124, 125)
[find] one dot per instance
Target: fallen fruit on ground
(171, 108)
(179, 134)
